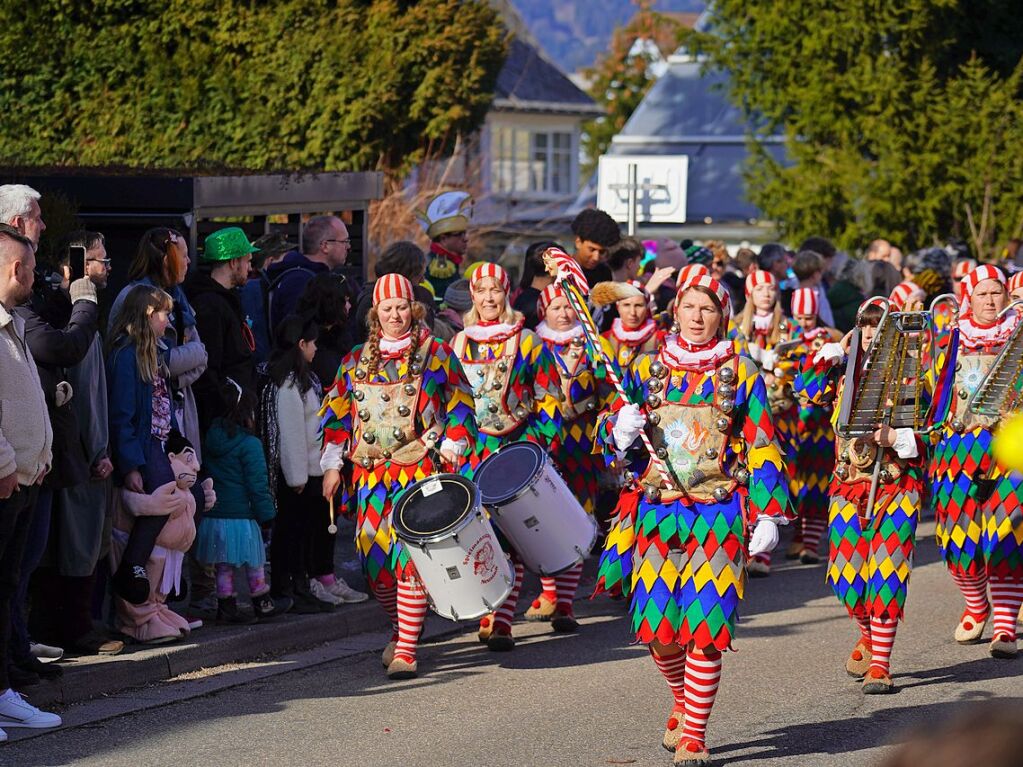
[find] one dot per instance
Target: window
(531, 162)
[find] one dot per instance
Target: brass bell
(403, 411)
(711, 453)
(415, 370)
(652, 494)
(431, 436)
(653, 400)
(727, 405)
(385, 397)
(591, 406)
(417, 359)
(387, 454)
(727, 375)
(366, 463)
(492, 407)
(726, 390)
(398, 434)
(360, 373)
(481, 373)
(577, 341)
(409, 389)
(654, 386)
(364, 414)
(497, 385)
(498, 424)
(843, 457)
(722, 424)
(359, 395)
(742, 475)
(885, 476)
(963, 394)
(842, 472)
(657, 369)
(370, 437)
(661, 453)
(721, 495)
(653, 419)
(958, 426)
(773, 387)
(502, 366)
(521, 412)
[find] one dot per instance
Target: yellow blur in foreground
(1008, 443)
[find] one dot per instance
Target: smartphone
(76, 260)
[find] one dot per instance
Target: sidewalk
(94, 676)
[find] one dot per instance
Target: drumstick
(597, 352)
(331, 528)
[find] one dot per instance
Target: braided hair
(371, 349)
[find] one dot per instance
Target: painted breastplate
(692, 441)
(385, 420)
(499, 410)
(573, 369)
(971, 370)
(855, 461)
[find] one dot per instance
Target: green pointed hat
(227, 245)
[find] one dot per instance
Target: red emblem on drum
(483, 564)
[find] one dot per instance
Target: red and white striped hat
(1016, 281)
(963, 267)
(689, 272)
(903, 292)
(805, 303)
(978, 275)
(494, 271)
(759, 277)
(715, 287)
(392, 286)
(547, 297)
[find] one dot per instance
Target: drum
(453, 546)
(534, 509)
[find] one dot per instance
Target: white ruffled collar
(558, 337)
(493, 333)
(709, 357)
(395, 347)
(975, 336)
(763, 322)
(633, 337)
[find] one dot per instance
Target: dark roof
(687, 111)
(530, 78)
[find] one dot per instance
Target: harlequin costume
(813, 449)
(680, 554)
(762, 336)
(978, 503)
(394, 404)
(870, 552)
(516, 387)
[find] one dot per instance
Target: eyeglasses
(346, 241)
(105, 261)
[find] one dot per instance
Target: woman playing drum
(680, 546)
(400, 406)
(516, 388)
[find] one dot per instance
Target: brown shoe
(541, 610)
(564, 622)
(402, 667)
(877, 683)
(859, 659)
(486, 628)
(673, 730)
(1003, 648)
(690, 753)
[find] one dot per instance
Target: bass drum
(453, 546)
(534, 509)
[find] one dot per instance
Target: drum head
(434, 508)
(506, 474)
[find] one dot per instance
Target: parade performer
(978, 502)
(961, 268)
(871, 545)
(446, 223)
(633, 331)
(813, 454)
(585, 392)
(1016, 287)
(399, 411)
(762, 326)
(516, 388)
(679, 546)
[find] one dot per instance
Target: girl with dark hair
(534, 280)
(326, 301)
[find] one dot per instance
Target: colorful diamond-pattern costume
(683, 561)
(444, 398)
(624, 346)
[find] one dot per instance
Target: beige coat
(25, 435)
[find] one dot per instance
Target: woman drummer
(763, 326)
(680, 549)
(516, 388)
(399, 409)
(585, 392)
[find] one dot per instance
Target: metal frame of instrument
(1001, 391)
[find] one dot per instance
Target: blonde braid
(371, 350)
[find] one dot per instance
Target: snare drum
(534, 509)
(453, 546)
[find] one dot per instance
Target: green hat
(227, 245)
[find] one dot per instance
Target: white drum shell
(466, 574)
(546, 525)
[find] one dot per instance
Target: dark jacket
(235, 460)
(332, 345)
(220, 320)
(526, 302)
(288, 278)
(255, 296)
(55, 348)
(845, 299)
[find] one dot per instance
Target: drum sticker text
(482, 555)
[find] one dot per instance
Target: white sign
(660, 187)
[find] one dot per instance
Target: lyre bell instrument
(1001, 391)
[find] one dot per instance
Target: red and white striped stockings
(406, 606)
(693, 678)
(506, 612)
(1006, 598)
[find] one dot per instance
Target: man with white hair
(19, 207)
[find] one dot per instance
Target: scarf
(437, 250)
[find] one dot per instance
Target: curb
(91, 677)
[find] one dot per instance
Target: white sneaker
(15, 711)
(321, 593)
(346, 593)
(45, 652)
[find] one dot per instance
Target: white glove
(768, 359)
(451, 450)
(765, 536)
(332, 456)
(905, 444)
(756, 353)
(831, 353)
(628, 425)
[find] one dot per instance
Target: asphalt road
(588, 699)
